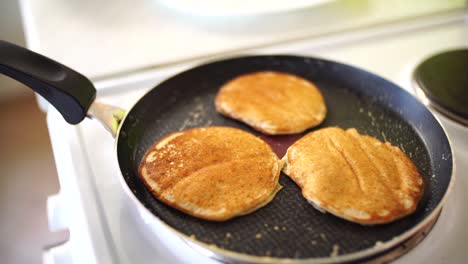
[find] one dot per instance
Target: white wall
(11, 30)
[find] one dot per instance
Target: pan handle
(109, 116)
(68, 91)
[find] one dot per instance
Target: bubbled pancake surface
(214, 173)
(272, 102)
(354, 176)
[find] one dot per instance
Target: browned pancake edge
(272, 102)
(213, 173)
(354, 176)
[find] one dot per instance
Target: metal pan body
(289, 229)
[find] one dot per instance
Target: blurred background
(27, 169)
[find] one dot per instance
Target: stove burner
(443, 80)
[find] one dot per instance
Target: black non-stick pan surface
(289, 227)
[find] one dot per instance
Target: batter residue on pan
(214, 173)
(272, 102)
(354, 176)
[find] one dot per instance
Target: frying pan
(288, 229)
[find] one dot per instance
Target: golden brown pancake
(272, 102)
(214, 173)
(353, 176)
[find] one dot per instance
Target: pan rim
(229, 255)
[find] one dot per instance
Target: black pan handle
(68, 91)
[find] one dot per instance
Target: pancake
(272, 102)
(213, 173)
(354, 176)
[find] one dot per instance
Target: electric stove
(104, 228)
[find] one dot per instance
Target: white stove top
(103, 229)
(107, 37)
